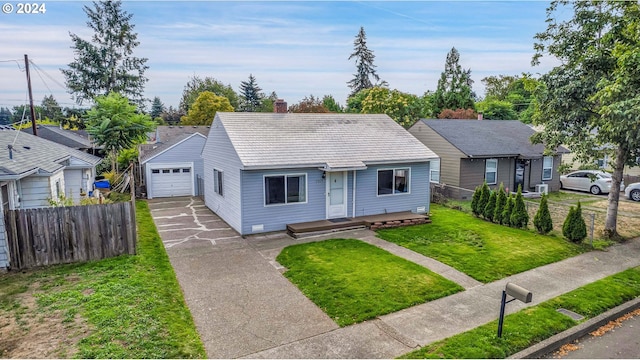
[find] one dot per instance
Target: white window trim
(394, 178)
(486, 168)
(218, 187)
(432, 170)
(550, 168)
(306, 189)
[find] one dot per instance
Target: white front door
(336, 194)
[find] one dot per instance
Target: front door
(519, 176)
(336, 194)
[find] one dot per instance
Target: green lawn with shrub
(482, 250)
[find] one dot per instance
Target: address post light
(517, 293)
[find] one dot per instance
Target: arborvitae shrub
(519, 216)
(490, 209)
(508, 209)
(574, 227)
(475, 200)
(501, 201)
(485, 192)
(542, 221)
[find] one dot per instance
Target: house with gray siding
(495, 151)
(172, 163)
(263, 171)
(34, 170)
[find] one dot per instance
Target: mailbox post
(517, 293)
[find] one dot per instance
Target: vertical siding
(189, 150)
(535, 174)
(276, 217)
(369, 203)
(473, 173)
(218, 153)
(4, 253)
(450, 156)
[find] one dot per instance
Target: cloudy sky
(295, 48)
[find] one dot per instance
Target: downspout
(353, 201)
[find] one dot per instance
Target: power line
(47, 75)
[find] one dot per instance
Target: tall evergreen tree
(251, 95)
(51, 109)
(157, 108)
(454, 87)
(365, 69)
(105, 63)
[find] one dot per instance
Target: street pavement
(243, 306)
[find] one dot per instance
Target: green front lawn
(532, 325)
(480, 249)
(353, 281)
(123, 307)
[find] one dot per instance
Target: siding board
(189, 150)
(450, 156)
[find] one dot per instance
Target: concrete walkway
(244, 307)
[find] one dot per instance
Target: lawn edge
(546, 346)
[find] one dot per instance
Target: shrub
(484, 198)
(475, 200)
(508, 209)
(574, 227)
(501, 201)
(490, 208)
(519, 216)
(542, 220)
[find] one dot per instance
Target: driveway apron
(240, 302)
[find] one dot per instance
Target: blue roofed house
(263, 171)
(34, 170)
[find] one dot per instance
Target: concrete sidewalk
(243, 306)
(420, 325)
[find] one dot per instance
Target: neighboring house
(74, 139)
(604, 163)
(495, 151)
(263, 171)
(172, 164)
(34, 170)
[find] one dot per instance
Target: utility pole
(33, 112)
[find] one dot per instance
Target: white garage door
(174, 181)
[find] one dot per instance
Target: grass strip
(532, 325)
(480, 249)
(352, 281)
(133, 305)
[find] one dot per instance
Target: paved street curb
(576, 332)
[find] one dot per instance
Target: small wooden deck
(372, 222)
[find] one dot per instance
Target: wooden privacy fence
(56, 235)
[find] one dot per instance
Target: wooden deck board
(326, 225)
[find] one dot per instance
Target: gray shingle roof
(31, 153)
(148, 151)
(332, 141)
(164, 133)
(61, 136)
(489, 138)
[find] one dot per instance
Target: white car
(593, 181)
(632, 192)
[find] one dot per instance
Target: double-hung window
(491, 171)
(434, 169)
(218, 177)
(393, 181)
(285, 189)
(547, 168)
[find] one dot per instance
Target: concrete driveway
(240, 301)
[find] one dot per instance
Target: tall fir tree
(250, 94)
(454, 87)
(157, 108)
(365, 69)
(51, 109)
(106, 63)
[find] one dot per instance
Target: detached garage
(173, 168)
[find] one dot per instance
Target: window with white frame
(491, 171)
(218, 177)
(547, 168)
(285, 189)
(434, 169)
(393, 181)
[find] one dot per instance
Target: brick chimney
(280, 106)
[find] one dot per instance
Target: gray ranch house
(34, 170)
(495, 151)
(171, 165)
(263, 171)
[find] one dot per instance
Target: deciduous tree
(204, 109)
(404, 108)
(310, 104)
(196, 85)
(106, 62)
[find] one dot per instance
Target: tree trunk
(610, 225)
